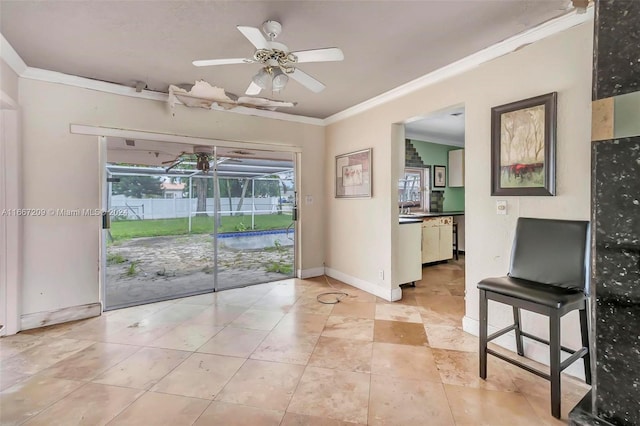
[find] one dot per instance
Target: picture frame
(439, 176)
(523, 147)
(353, 174)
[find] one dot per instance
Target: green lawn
(127, 229)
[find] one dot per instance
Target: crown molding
(502, 48)
(11, 57)
(437, 139)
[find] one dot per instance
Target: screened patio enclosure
(178, 231)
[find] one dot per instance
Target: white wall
(8, 82)
(10, 198)
(61, 170)
(359, 232)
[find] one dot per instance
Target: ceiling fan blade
(253, 89)
(254, 35)
(319, 55)
(307, 81)
(230, 61)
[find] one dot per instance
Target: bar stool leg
(584, 331)
(483, 334)
(554, 364)
(516, 321)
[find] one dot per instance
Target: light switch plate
(308, 199)
(501, 207)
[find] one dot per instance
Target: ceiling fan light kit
(278, 63)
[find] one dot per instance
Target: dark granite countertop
(405, 220)
(422, 215)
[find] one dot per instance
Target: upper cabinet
(456, 168)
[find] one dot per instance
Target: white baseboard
(388, 294)
(533, 350)
(72, 313)
(311, 272)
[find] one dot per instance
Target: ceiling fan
(203, 159)
(278, 63)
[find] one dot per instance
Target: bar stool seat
(531, 291)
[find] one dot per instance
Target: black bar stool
(548, 275)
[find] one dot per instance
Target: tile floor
(272, 355)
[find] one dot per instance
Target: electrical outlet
(381, 274)
(501, 207)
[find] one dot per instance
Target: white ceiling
(443, 127)
(385, 43)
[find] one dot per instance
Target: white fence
(170, 208)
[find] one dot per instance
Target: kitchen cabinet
(409, 265)
(456, 168)
(437, 239)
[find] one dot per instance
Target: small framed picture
(353, 174)
(439, 176)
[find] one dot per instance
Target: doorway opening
(182, 224)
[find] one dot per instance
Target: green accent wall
(434, 154)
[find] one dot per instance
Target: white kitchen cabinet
(437, 239)
(456, 168)
(409, 265)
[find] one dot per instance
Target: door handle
(106, 220)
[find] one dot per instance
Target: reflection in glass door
(255, 221)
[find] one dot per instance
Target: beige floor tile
(397, 312)
(471, 406)
(237, 297)
(43, 355)
(462, 369)
(286, 347)
(220, 315)
(426, 288)
(293, 419)
(365, 310)
(10, 378)
(258, 319)
(29, 397)
(281, 300)
(349, 328)
(240, 342)
(224, 413)
(452, 338)
(200, 376)
(13, 345)
(262, 384)
(342, 354)
(140, 332)
(143, 369)
(404, 333)
(187, 337)
(301, 323)
(441, 310)
(90, 405)
(396, 401)
(201, 299)
(404, 361)
(160, 409)
(99, 329)
(89, 362)
(537, 390)
(312, 306)
(339, 395)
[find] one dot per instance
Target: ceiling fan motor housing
(272, 29)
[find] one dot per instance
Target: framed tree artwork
(439, 176)
(523, 147)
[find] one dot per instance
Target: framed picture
(439, 176)
(353, 174)
(523, 147)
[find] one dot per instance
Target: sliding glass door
(177, 230)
